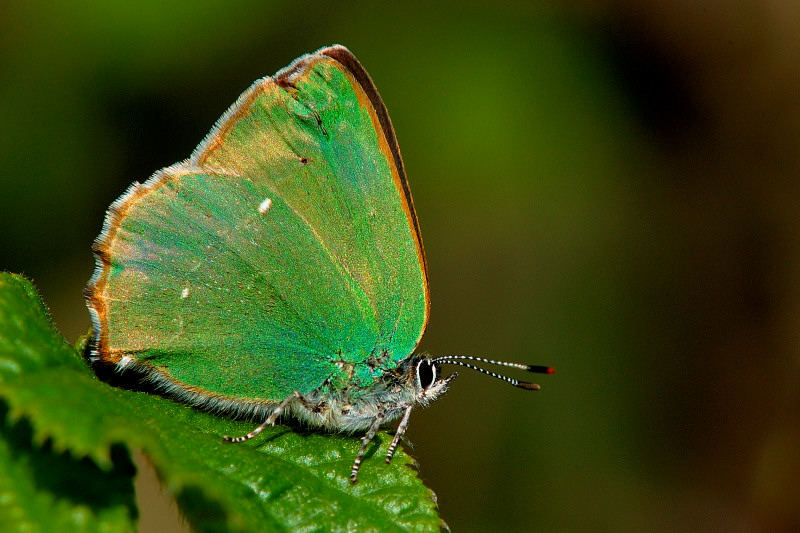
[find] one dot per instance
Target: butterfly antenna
(459, 360)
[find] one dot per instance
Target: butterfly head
(424, 375)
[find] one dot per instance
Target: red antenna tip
(539, 369)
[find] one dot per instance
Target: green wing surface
(283, 250)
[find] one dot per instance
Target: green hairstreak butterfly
(279, 270)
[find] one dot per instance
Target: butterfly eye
(426, 373)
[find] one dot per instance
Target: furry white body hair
(346, 410)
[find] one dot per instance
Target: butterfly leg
(365, 440)
(270, 421)
(401, 430)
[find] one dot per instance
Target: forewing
(285, 245)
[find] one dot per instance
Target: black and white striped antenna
(459, 360)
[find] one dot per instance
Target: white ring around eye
(432, 368)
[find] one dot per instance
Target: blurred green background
(610, 188)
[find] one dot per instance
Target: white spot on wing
(124, 362)
(185, 292)
(265, 205)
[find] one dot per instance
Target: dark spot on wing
(319, 122)
(284, 83)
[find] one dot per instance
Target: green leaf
(43, 490)
(284, 480)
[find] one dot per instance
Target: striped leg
(401, 430)
(270, 421)
(365, 440)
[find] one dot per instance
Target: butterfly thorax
(356, 407)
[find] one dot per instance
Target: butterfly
(279, 270)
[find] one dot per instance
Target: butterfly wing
(284, 252)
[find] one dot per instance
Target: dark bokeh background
(612, 190)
